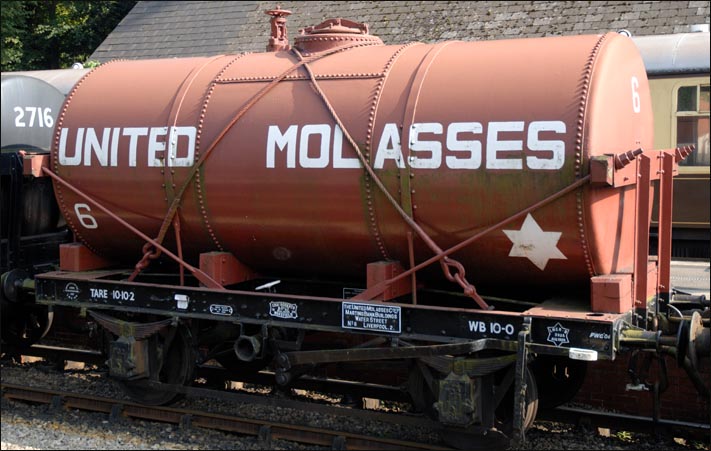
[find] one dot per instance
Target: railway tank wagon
(31, 227)
(30, 104)
(283, 188)
(343, 202)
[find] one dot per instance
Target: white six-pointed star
(535, 244)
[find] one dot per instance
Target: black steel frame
(553, 334)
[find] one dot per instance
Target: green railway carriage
(678, 70)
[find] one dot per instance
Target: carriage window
(704, 98)
(692, 123)
(686, 99)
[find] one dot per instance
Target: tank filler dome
(334, 33)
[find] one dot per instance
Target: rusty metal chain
(149, 253)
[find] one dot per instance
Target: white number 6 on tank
(636, 107)
(85, 219)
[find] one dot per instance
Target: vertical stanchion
(641, 240)
(519, 413)
(664, 238)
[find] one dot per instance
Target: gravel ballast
(25, 426)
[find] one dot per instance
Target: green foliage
(13, 16)
(625, 436)
(53, 34)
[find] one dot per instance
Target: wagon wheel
(471, 438)
(504, 411)
(24, 325)
(172, 361)
(421, 394)
(423, 398)
(558, 379)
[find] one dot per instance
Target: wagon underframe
(552, 331)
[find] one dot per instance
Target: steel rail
(614, 420)
(562, 414)
(264, 430)
(56, 354)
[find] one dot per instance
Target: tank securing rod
(172, 210)
(199, 275)
(446, 262)
(370, 293)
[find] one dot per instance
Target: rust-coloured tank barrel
(462, 134)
